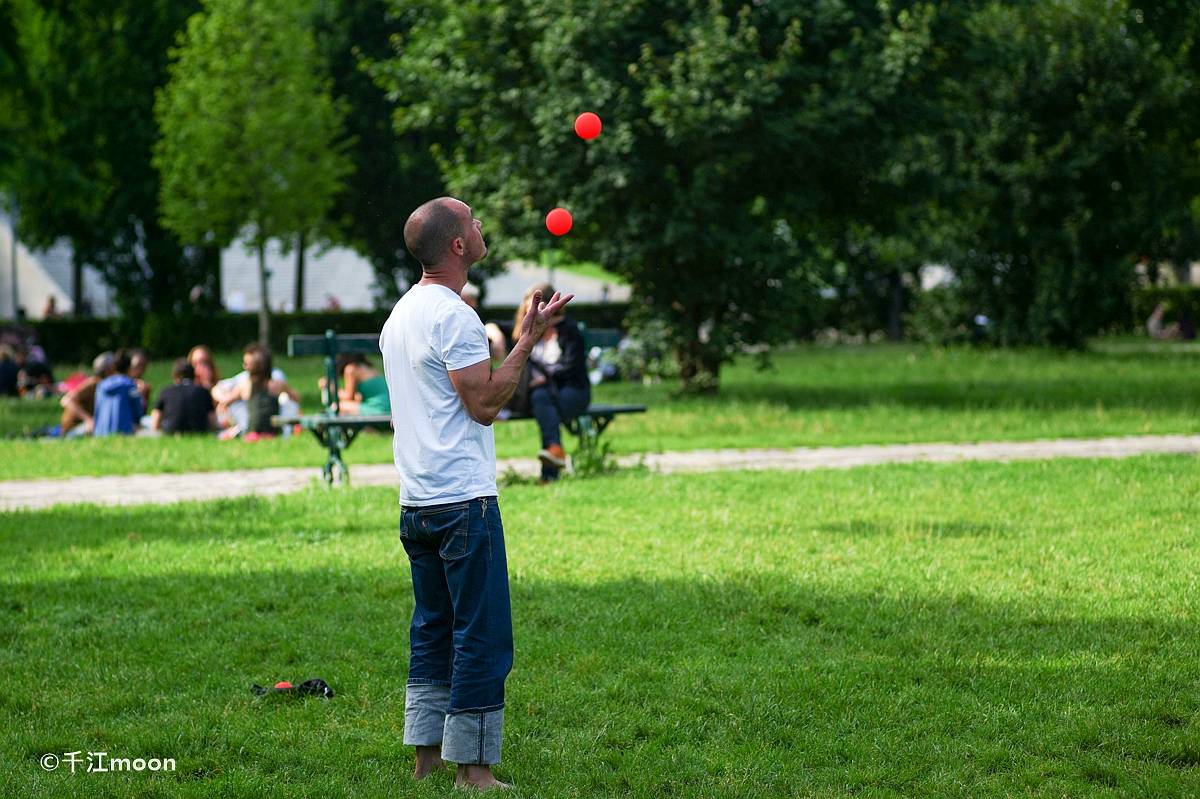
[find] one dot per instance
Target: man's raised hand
(540, 314)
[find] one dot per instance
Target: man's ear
(459, 246)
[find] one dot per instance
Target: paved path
(166, 488)
(143, 488)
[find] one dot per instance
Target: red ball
(559, 221)
(283, 684)
(587, 125)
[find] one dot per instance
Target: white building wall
(336, 272)
(45, 273)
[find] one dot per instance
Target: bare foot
(479, 778)
(429, 760)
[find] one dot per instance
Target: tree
(77, 82)
(250, 131)
(393, 174)
(1066, 158)
(733, 135)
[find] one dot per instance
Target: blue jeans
(571, 401)
(461, 635)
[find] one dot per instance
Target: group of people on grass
(24, 369)
(115, 398)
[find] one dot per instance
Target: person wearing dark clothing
(559, 388)
(184, 407)
(260, 393)
(9, 369)
(262, 405)
(35, 379)
(119, 405)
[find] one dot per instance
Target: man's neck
(452, 277)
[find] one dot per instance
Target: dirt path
(167, 488)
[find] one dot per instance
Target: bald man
(445, 396)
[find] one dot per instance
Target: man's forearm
(505, 379)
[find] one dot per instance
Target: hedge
(77, 341)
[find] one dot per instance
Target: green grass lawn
(922, 630)
(814, 396)
(592, 270)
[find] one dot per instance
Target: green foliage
(1182, 304)
(646, 353)
(941, 316)
(249, 126)
(1063, 160)
(250, 130)
(392, 174)
(77, 83)
(593, 456)
(78, 340)
(730, 134)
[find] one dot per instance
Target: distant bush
(1182, 307)
(172, 335)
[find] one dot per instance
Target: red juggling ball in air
(559, 221)
(587, 125)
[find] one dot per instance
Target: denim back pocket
(449, 524)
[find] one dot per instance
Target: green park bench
(336, 433)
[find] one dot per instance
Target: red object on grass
(588, 125)
(283, 684)
(559, 221)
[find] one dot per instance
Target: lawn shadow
(1167, 393)
(932, 528)
(247, 518)
(699, 672)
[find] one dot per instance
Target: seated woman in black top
(558, 382)
(184, 407)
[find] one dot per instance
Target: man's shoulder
(429, 308)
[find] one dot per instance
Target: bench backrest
(603, 337)
(331, 345)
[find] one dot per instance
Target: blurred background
(1005, 173)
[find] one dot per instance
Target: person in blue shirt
(119, 404)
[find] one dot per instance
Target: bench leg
(335, 471)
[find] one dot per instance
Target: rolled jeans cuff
(473, 738)
(425, 713)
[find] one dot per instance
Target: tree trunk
(699, 369)
(895, 307)
(77, 286)
(213, 257)
(264, 310)
(300, 273)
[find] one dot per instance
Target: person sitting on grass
(79, 404)
(138, 361)
(232, 413)
(9, 369)
(261, 393)
(35, 380)
(184, 407)
(204, 366)
(119, 404)
(558, 381)
(363, 390)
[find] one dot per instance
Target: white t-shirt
(442, 454)
(230, 383)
